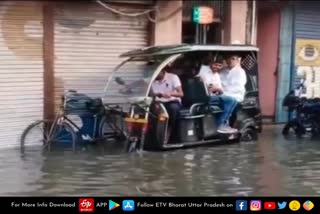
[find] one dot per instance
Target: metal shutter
(21, 68)
(307, 20)
(307, 26)
(88, 41)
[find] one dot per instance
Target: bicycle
(62, 130)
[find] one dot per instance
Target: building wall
(168, 31)
(268, 42)
(235, 22)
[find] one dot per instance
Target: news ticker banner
(150, 204)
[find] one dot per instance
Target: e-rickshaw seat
(196, 97)
(197, 115)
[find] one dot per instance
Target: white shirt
(204, 69)
(210, 78)
(168, 85)
(234, 82)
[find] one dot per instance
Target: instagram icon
(255, 205)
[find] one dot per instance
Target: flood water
(273, 166)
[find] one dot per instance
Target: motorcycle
(305, 117)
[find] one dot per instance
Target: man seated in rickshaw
(167, 89)
(234, 78)
(211, 78)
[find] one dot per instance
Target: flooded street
(272, 166)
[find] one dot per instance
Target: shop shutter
(307, 26)
(21, 68)
(88, 42)
(308, 20)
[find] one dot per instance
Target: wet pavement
(273, 166)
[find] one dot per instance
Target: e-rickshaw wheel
(249, 134)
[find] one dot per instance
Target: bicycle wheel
(109, 128)
(44, 133)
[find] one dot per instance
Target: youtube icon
(269, 205)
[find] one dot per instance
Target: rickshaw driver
(211, 78)
(168, 90)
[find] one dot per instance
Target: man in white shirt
(233, 81)
(167, 90)
(213, 83)
(234, 78)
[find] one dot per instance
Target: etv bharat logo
(86, 205)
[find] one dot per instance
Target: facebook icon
(241, 205)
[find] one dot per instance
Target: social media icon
(255, 205)
(241, 205)
(282, 205)
(86, 205)
(269, 205)
(128, 205)
(308, 205)
(294, 205)
(113, 205)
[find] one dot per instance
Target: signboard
(307, 52)
(203, 15)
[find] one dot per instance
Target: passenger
(213, 83)
(233, 80)
(205, 65)
(167, 90)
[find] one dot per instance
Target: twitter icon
(282, 205)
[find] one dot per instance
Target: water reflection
(272, 166)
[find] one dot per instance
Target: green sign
(196, 15)
(202, 15)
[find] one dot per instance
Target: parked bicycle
(98, 123)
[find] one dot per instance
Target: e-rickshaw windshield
(133, 78)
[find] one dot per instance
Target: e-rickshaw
(147, 120)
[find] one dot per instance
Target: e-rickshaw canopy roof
(183, 48)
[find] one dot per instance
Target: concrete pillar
(168, 31)
(235, 26)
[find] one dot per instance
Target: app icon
(241, 205)
(308, 205)
(282, 205)
(255, 205)
(269, 205)
(113, 205)
(294, 205)
(127, 205)
(86, 205)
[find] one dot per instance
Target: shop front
(50, 47)
(299, 48)
(307, 47)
